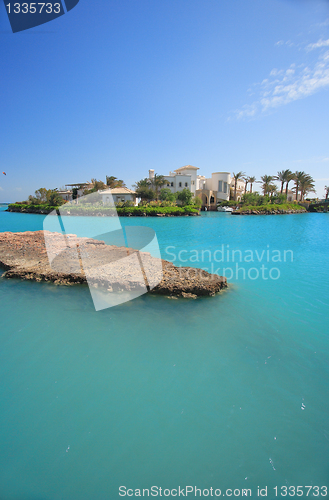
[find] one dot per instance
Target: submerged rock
(26, 256)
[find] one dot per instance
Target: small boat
(224, 209)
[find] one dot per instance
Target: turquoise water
(222, 392)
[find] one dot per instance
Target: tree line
(304, 183)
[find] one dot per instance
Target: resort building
(120, 194)
(214, 189)
(181, 178)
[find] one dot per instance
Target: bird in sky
(4, 173)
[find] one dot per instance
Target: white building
(120, 194)
(211, 190)
(181, 178)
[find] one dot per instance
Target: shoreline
(268, 212)
(107, 212)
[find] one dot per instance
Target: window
(180, 184)
(225, 187)
(220, 186)
(212, 199)
(172, 184)
(192, 183)
(186, 184)
(168, 184)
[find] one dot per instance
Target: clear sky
(116, 87)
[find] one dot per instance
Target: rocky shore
(78, 260)
(267, 212)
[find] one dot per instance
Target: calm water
(223, 392)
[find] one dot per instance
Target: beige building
(66, 195)
(214, 189)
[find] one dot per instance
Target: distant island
(181, 193)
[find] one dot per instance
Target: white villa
(211, 190)
(184, 177)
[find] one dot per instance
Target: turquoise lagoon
(222, 392)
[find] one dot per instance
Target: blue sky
(119, 87)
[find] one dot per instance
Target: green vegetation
(184, 197)
(229, 203)
(255, 202)
(45, 197)
(128, 210)
(272, 207)
(42, 208)
(167, 195)
(256, 199)
(112, 182)
(150, 189)
(105, 211)
(97, 186)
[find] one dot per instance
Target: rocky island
(76, 260)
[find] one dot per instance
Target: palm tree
(144, 189)
(251, 180)
(248, 180)
(283, 176)
(290, 177)
(298, 177)
(306, 186)
(272, 189)
(158, 182)
(236, 177)
(326, 188)
(144, 183)
(266, 179)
